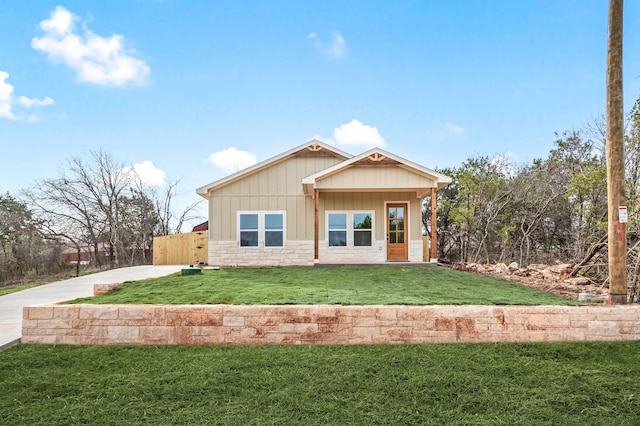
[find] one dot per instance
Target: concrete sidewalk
(11, 305)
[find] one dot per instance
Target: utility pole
(615, 160)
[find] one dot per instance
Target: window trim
(273, 230)
(359, 230)
(350, 228)
(252, 230)
(262, 228)
(345, 229)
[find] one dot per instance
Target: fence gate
(180, 249)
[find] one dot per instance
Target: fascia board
(204, 190)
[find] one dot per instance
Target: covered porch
(368, 209)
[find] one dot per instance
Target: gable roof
(204, 226)
(310, 147)
(375, 156)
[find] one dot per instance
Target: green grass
(459, 384)
(365, 285)
(19, 287)
(31, 281)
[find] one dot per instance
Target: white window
(337, 229)
(350, 229)
(274, 229)
(261, 229)
(362, 228)
(249, 230)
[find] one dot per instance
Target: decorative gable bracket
(376, 157)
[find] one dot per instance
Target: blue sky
(186, 89)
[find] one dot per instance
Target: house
(69, 254)
(317, 204)
(201, 227)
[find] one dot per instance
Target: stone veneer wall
(415, 251)
(323, 324)
(228, 253)
(374, 254)
(350, 254)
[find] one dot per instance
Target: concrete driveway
(11, 305)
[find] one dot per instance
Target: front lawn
(13, 288)
(348, 285)
(459, 384)
(31, 281)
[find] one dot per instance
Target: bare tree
(102, 182)
(101, 202)
(164, 209)
(82, 203)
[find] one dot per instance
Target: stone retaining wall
(99, 289)
(323, 324)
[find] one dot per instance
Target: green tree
(21, 243)
(484, 191)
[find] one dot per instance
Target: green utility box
(191, 271)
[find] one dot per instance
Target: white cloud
(232, 160)
(95, 59)
(357, 133)
(337, 48)
(147, 172)
(61, 21)
(453, 129)
(150, 174)
(7, 101)
(34, 102)
(5, 97)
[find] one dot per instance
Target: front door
(397, 232)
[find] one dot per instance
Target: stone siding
(300, 253)
(324, 324)
(350, 254)
(228, 253)
(415, 251)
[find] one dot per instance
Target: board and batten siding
(275, 188)
(373, 202)
(375, 177)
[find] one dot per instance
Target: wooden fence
(180, 249)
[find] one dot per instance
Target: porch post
(434, 223)
(316, 224)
